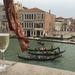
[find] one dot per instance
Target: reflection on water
(67, 61)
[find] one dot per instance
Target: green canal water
(66, 62)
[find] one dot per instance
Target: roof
(25, 8)
(59, 18)
(36, 9)
(33, 10)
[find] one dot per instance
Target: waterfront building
(3, 21)
(66, 25)
(72, 25)
(62, 25)
(58, 25)
(35, 21)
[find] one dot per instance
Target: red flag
(14, 23)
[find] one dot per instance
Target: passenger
(45, 48)
(55, 52)
(39, 57)
(42, 48)
(58, 49)
(35, 49)
(38, 48)
(51, 46)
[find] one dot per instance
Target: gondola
(41, 43)
(45, 53)
(39, 59)
(42, 54)
(44, 49)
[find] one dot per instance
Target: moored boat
(42, 53)
(44, 49)
(39, 59)
(46, 53)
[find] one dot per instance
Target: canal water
(66, 62)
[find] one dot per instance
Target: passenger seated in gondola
(35, 49)
(39, 57)
(55, 53)
(42, 48)
(38, 48)
(58, 49)
(51, 46)
(45, 48)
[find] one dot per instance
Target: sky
(62, 8)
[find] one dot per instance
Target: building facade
(3, 21)
(35, 21)
(63, 25)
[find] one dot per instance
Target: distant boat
(41, 43)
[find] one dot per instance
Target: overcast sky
(63, 8)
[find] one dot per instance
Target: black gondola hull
(38, 59)
(57, 48)
(46, 53)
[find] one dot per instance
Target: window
(41, 32)
(22, 24)
(29, 16)
(4, 16)
(25, 16)
(22, 17)
(34, 32)
(38, 16)
(31, 25)
(38, 25)
(25, 25)
(25, 31)
(32, 16)
(42, 16)
(41, 25)
(31, 32)
(35, 25)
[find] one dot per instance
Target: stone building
(35, 21)
(62, 25)
(3, 21)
